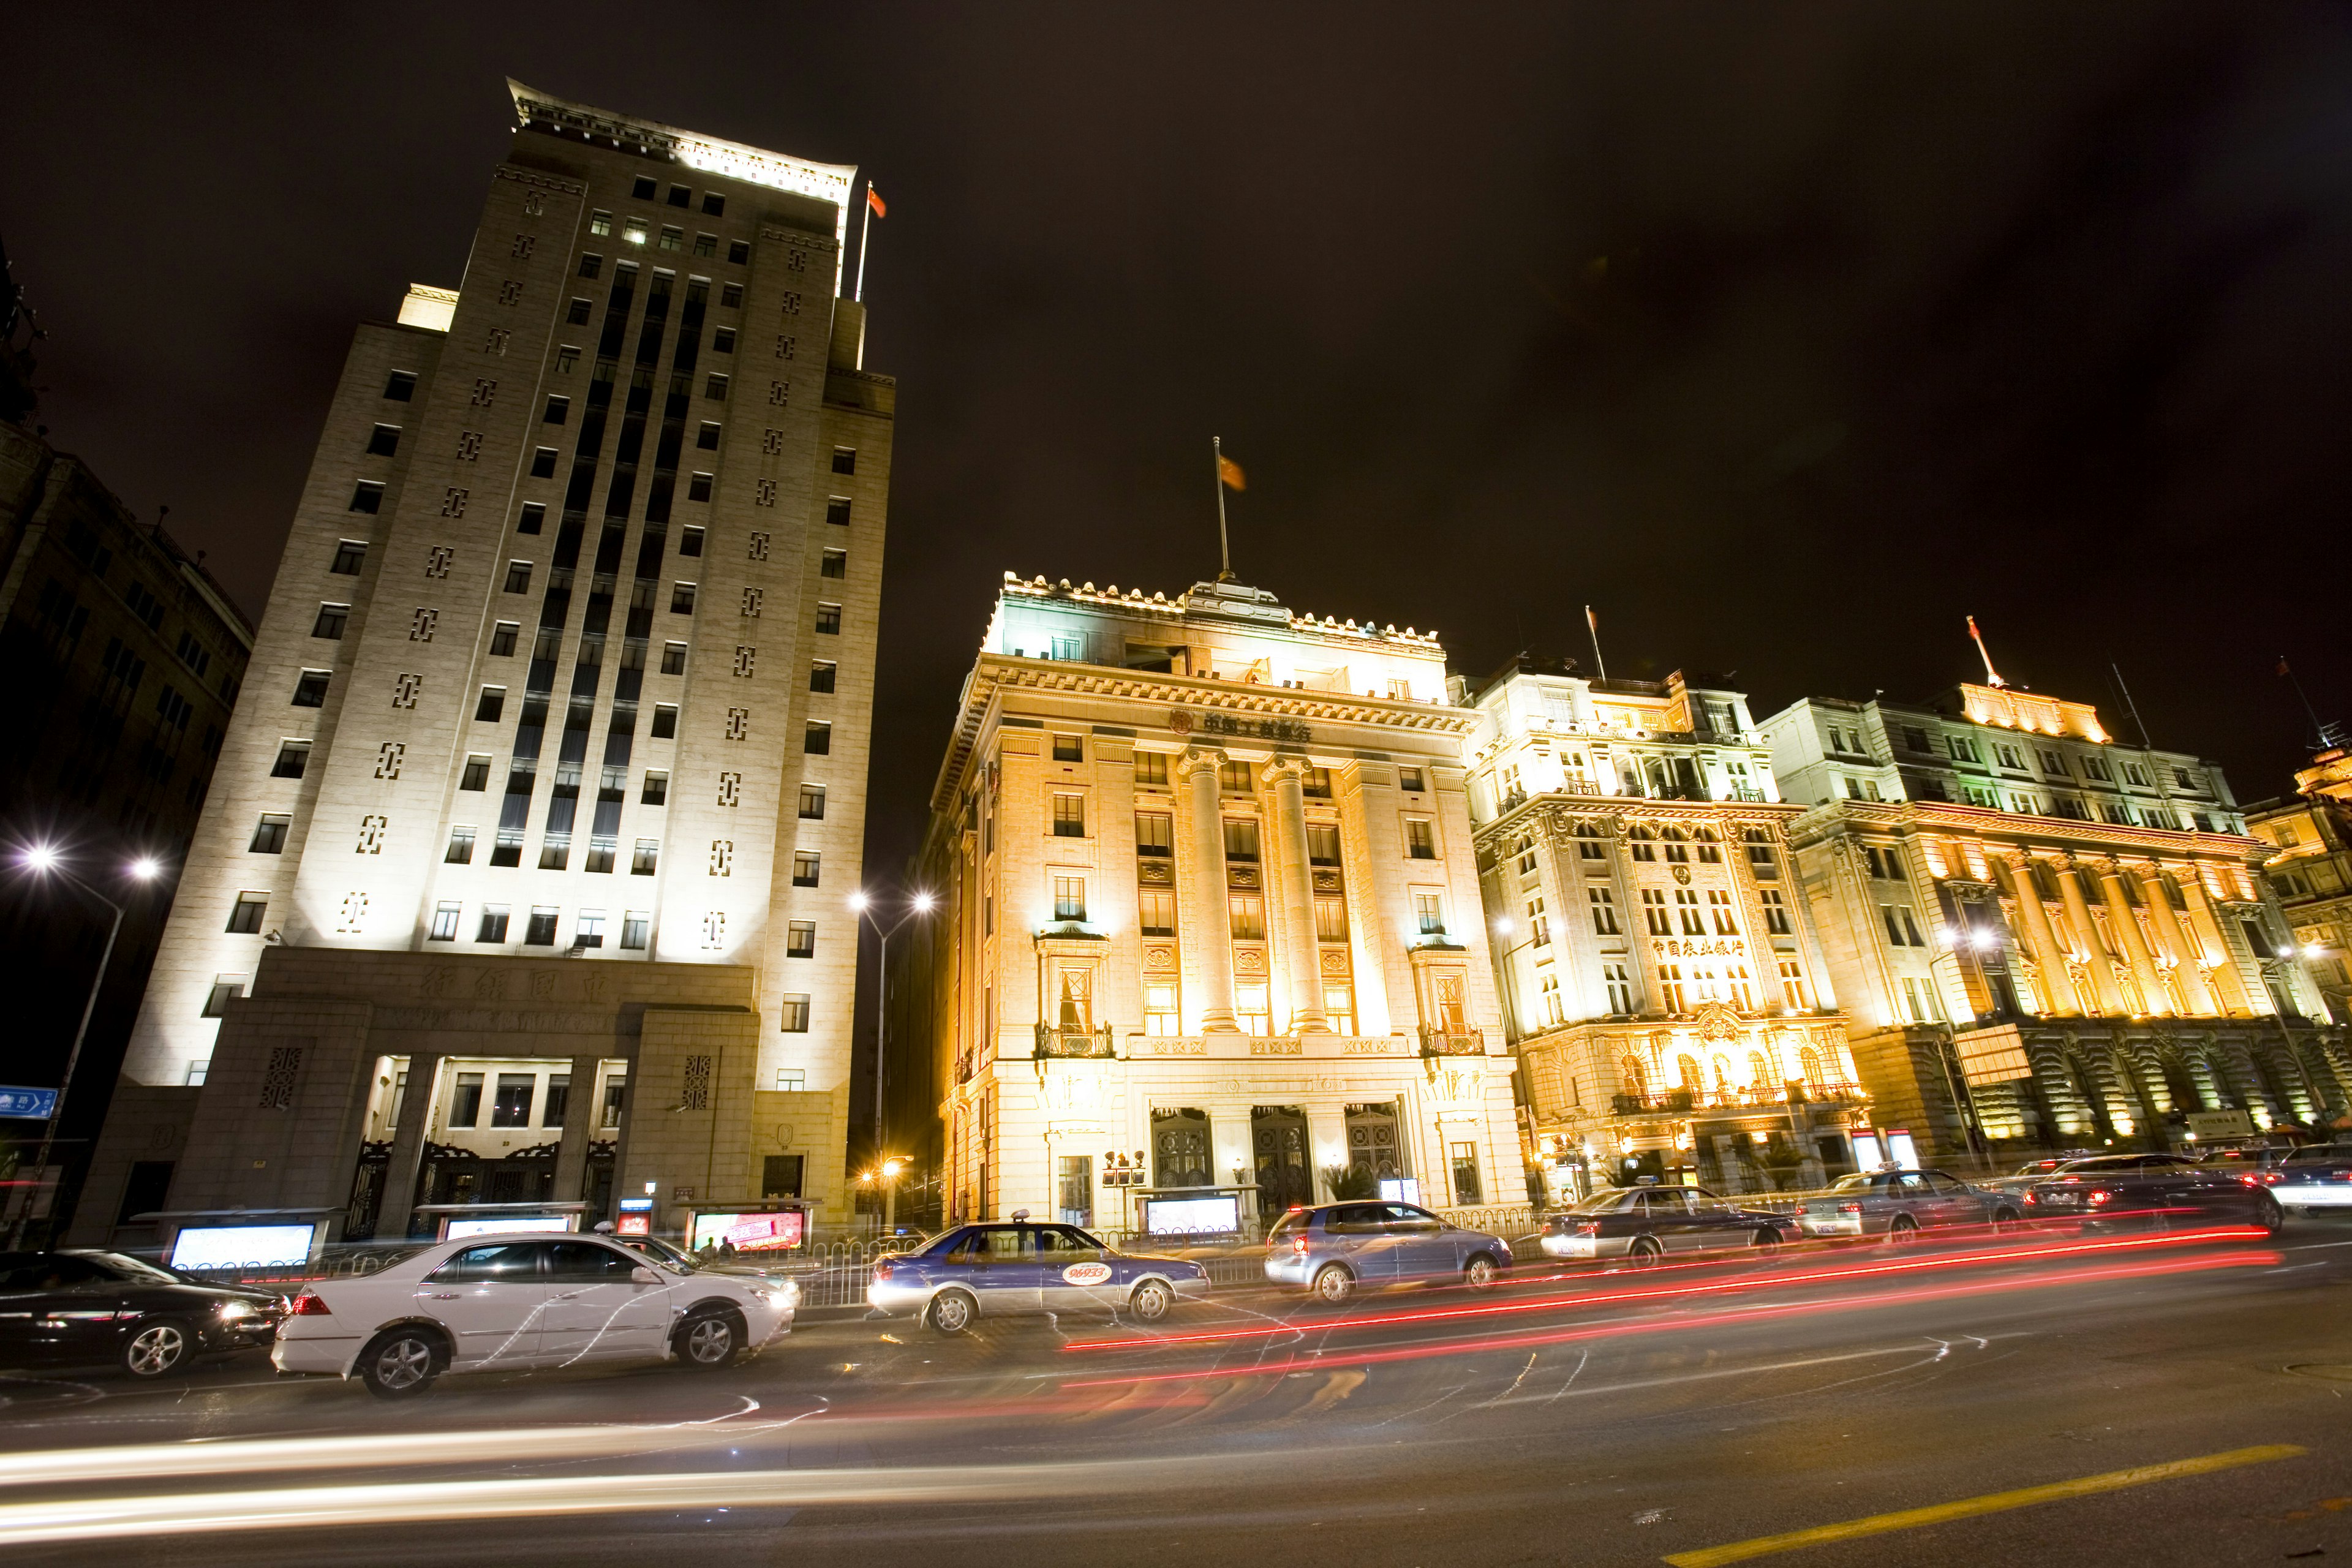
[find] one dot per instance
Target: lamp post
(864, 904)
(44, 861)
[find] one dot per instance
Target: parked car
(2151, 1189)
(2034, 1170)
(2316, 1178)
(86, 1308)
(1336, 1249)
(1644, 1224)
(1002, 1269)
(496, 1303)
(1903, 1206)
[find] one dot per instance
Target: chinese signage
(29, 1104)
(1184, 723)
(1991, 1055)
(1718, 947)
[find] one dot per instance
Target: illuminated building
(1210, 915)
(1659, 984)
(2310, 868)
(2036, 928)
(546, 793)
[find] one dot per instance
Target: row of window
(1962, 748)
(1154, 833)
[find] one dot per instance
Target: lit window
(270, 836)
(444, 922)
(800, 939)
(1069, 898)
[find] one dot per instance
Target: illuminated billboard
(1220, 1215)
(773, 1232)
(243, 1245)
(454, 1229)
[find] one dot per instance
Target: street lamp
(863, 903)
(44, 860)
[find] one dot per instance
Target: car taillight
(881, 1272)
(2100, 1197)
(2030, 1198)
(307, 1305)
(1588, 1227)
(1848, 1208)
(1298, 1245)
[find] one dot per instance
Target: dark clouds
(1786, 338)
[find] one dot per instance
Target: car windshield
(1858, 1182)
(137, 1269)
(662, 1252)
(1606, 1202)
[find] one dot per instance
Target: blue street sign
(27, 1104)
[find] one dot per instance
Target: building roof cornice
(755, 165)
(1984, 822)
(1559, 803)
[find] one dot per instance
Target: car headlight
(785, 1293)
(232, 1310)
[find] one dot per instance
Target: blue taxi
(1017, 1267)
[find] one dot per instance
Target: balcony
(1075, 1042)
(1437, 1042)
(1684, 1101)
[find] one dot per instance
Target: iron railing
(1684, 1101)
(1075, 1042)
(1437, 1042)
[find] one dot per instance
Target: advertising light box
(1219, 1215)
(1400, 1189)
(775, 1232)
(454, 1229)
(243, 1247)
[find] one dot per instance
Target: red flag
(875, 201)
(1231, 473)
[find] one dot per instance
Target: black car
(2150, 1189)
(89, 1308)
(1643, 1224)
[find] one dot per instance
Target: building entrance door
(1285, 1178)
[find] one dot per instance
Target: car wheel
(1902, 1231)
(1764, 1241)
(1152, 1301)
(1646, 1252)
(2005, 1221)
(1334, 1284)
(400, 1363)
(159, 1348)
(1480, 1273)
(710, 1340)
(2269, 1214)
(951, 1313)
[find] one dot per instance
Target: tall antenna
(1992, 676)
(2137, 722)
(1592, 623)
(2324, 736)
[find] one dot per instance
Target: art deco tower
(570, 654)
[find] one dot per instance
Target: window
(1330, 917)
(1587, 842)
(1792, 986)
(1069, 898)
(1677, 847)
(1154, 835)
(1687, 905)
(828, 619)
(647, 856)
(697, 487)
(1245, 916)
(722, 338)
(817, 741)
(1710, 851)
(1241, 838)
(542, 463)
(804, 868)
(517, 576)
(577, 315)
(1644, 842)
(1960, 748)
(311, 688)
(656, 789)
(270, 836)
(665, 725)
(492, 703)
(1776, 913)
(821, 676)
(1620, 985)
(634, 927)
(1902, 930)
(1420, 843)
(1885, 862)
(738, 251)
(534, 514)
(1409, 780)
(800, 939)
(492, 927)
(837, 510)
(293, 756)
(1069, 749)
(1429, 913)
(461, 847)
(1322, 844)
(673, 658)
(1718, 911)
(1653, 913)
(1151, 768)
(351, 554)
(1919, 1001)
(466, 1111)
(329, 624)
(1234, 778)
(507, 850)
(844, 460)
(1155, 912)
(796, 1013)
(1069, 817)
(616, 1089)
(402, 386)
(590, 266)
(224, 988)
(681, 598)
(540, 929)
(812, 803)
(689, 542)
(444, 922)
(245, 916)
(1464, 1159)
(1604, 911)
(671, 237)
(1160, 1014)
(730, 296)
(836, 563)
(714, 388)
(1670, 987)
(589, 930)
(1539, 923)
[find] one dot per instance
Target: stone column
(2228, 985)
(395, 1209)
(1205, 839)
(1301, 955)
(2134, 944)
(581, 1108)
(2194, 993)
(2086, 937)
(2041, 939)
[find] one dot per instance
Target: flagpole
(865, 232)
(1592, 623)
(1217, 476)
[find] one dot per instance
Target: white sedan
(497, 1303)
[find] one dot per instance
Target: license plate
(2062, 1200)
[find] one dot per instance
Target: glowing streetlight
(146, 868)
(40, 857)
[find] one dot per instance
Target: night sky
(1785, 338)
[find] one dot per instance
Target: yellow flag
(1231, 473)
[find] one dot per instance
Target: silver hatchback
(1337, 1249)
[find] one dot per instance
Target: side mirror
(640, 1275)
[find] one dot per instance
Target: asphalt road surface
(2139, 1400)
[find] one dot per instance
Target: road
(2200, 1390)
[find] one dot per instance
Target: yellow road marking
(1968, 1508)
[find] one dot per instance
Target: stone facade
(1209, 915)
(572, 648)
(2310, 866)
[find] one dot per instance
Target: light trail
(1669, 1292)
(1729, 1317)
